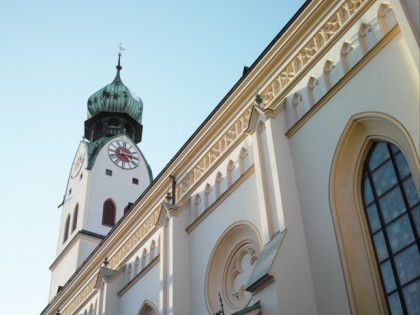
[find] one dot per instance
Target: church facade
(300, 199)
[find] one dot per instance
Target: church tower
(108, 174)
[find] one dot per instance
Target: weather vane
(121, 49)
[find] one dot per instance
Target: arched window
(392, 208)
(75, 214)
(108, 214)
(66, 229)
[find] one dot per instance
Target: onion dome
(114, 110)
(116, 98)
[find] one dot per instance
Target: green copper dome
(117, 98)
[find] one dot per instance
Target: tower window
(81, 176)
(392, 208)
(108, 172)
(66, 229)
(108, 214)
(69, 191)
(135, 181)
(75, 214)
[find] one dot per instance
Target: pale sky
(182, 57)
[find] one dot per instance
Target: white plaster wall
(179, 266)
(291, 268)
(86, 247)
(119, 187)
(241, 205)
(63, 270)
(388, 84)
(78, 196)
(269, 301)
(147, 288)
(110, 297)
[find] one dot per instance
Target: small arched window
(108, 214)
(75, 214)
(66, 229)
(392, 208)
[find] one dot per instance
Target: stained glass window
(392, 206)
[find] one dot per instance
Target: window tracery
(230, 266)
(238, 270)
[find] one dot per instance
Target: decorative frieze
(311, 48)
(80, 298)
(223, 143)
(134, 240)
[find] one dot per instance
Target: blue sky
(181, 58)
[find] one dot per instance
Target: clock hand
(128, 156)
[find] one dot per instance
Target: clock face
(123, 154)
(78, 161)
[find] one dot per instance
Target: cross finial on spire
(121, 49)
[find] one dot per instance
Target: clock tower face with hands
(123, 154)
(107, 175)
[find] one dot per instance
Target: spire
(117, 77)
